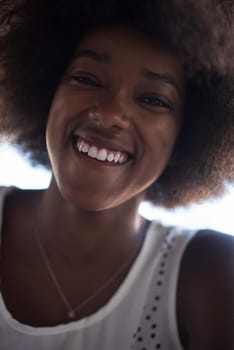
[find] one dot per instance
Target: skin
(126, 117)
(111, 95)
(205, 293)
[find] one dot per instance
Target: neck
(82, 233)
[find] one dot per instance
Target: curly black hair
(38, 38)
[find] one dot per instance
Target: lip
(102, 142)
(96, 164)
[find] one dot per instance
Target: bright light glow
(16, 170)
(214, 214)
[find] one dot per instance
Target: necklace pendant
(71, 314)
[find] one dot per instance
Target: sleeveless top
(141, 315)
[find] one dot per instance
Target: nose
(109, 114)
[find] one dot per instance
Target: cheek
(60, 110)
(58, 105)
(54, 127)
(163, 135)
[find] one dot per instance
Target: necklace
(72, 311)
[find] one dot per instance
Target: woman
(124, 113)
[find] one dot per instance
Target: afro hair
(38, 38)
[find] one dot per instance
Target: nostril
(116, 127)
(97, 122)
(108, 116)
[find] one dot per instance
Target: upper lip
(103, 142)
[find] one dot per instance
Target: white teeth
(110, 157)
(83, 147)
(122, 158)
(93, 152)
(117, 156)
(102, 154)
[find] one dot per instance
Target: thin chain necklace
(72, 311)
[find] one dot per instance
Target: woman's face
(114, 118)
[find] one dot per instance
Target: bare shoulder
(17, 217)
(205, 300)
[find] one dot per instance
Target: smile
(101, 154)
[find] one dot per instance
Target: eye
(153, 101)
(86, 79)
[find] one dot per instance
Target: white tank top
(141, 315)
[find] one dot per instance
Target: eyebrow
(152, 76)
(168, 79)
(96, 56)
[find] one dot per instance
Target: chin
(86, 201)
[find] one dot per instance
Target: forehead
(123, 42)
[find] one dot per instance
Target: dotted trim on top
(146, 335)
